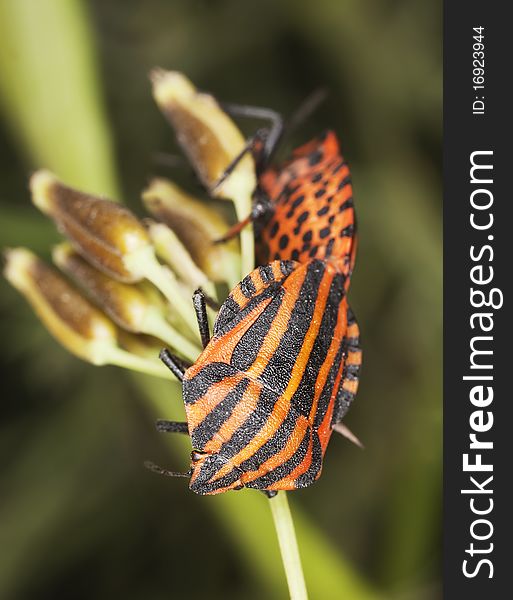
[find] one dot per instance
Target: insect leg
(171, 426)
(273, 134)
(209, 301)
(269, 493)
(173, 363)
(261, 207)
(200, 307)
(248, 147)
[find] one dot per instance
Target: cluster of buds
(122, 286)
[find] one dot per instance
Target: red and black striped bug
(282, 367)
(278, 374)
(303, 208)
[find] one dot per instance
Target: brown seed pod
(197, 226)
(206, 133)
(102, 231)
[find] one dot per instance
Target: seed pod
(173, 252)
(197, 226)
(108, 236)
(125, 304)
(104, 232)
(137, 308)
(142, 345)
(207, 135)
(70, 318)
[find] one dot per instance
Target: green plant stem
(121, 358)
(288, 546)
(247, 240)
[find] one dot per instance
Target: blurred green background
(79, 515)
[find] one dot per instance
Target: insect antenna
(161, 471)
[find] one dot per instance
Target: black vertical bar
(477, 120)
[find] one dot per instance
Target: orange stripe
(275, 265)
(354, 358)
(282, 406)
(351, 385)
(293, 443)
(215, 394)
(330, 358)
(324, 431)
(223, 350)
(239, 415)
(353, 331)
(238, 296)
(280, 323)
(289, 482)
(311, 335)
(257, 280)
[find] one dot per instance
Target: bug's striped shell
(313, 212)
(262, 397)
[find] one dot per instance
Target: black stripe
(343, 402)
(247, 287)
(266, 273)
(344, 182)
(328, 389)
(347, 231)
(329, 247)
(274, 444)
(351, 319)
(227, 312)
(285, 468)
(277, 372)
(211, 424)
(228, 316)
(337, 167)
(249, 429)
(353, 344)
(304, 395)
(351, 372)
(210, 467)
(247, 349)
(224, 481)
(309, 477)
(196, 388)
(287, 266)
(347, 204)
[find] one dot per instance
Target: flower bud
(171, 250)
(69, 317)
(138, 308)
(125, 304)
(104, 232)
(206, 133)
(197, 226)
(108, 236)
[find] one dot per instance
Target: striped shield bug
(277, 376)
(303, 208)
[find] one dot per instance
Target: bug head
(213, 474)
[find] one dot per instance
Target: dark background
(79, 515)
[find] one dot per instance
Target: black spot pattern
(284, 241)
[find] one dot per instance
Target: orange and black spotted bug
(312, 212)
(303, 208)
(280, 371)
